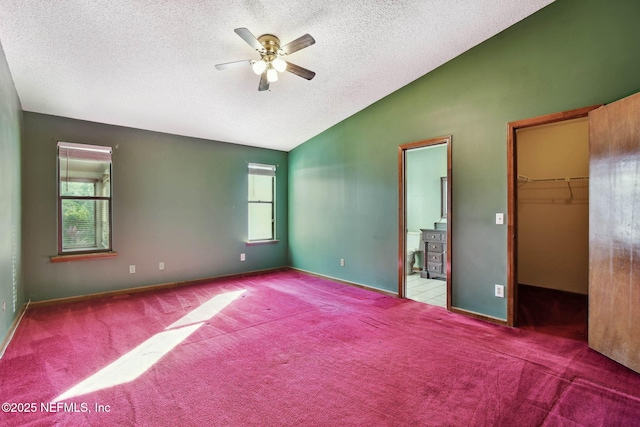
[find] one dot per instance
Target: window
(84, 198)
(262, 188)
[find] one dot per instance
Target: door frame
(402, 215)
(512, 197)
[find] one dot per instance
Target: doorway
(424, 256)
(548, 205)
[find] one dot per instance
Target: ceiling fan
(271, 54)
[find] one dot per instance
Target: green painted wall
(11, 285)
(343, 182)
(175, 199)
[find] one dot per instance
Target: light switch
(499, 218)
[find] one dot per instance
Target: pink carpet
(296, 350)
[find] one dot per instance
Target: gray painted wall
(11, 285)
(175, 199)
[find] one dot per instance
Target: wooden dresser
(434, 254)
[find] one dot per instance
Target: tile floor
(429, 291)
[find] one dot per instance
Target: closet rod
(573, 178)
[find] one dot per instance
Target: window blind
(69, 150)
(259, 169)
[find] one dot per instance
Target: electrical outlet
(500, 291)
(4, 306)
(132, 269)
(499, 218)
(161, 265)
(341, 262)
(242, 258)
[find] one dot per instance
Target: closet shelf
(522, 179)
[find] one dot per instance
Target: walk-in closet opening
(548, 275)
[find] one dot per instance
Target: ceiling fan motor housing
(271, 45)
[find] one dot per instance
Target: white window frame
(262, 170)
(66, 151)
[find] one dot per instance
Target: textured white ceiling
(149, 64)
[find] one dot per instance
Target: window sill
(83, 257)
(261, 242)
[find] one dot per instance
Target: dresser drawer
(434, 247)
(434, 257)
(432, 236)
(434, 267)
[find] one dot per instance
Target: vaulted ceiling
(150, 64)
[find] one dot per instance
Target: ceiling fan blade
(249, 38)
(232, 64)
(297, 44)
(264, 83)
(299, 71)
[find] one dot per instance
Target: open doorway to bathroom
(424, 258)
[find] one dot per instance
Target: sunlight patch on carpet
(131, 365)
(207, 310)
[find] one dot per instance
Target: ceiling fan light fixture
(271, 60)
(272, 75)
(279, 65)
(259, 67)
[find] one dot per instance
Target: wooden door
(614, 231)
